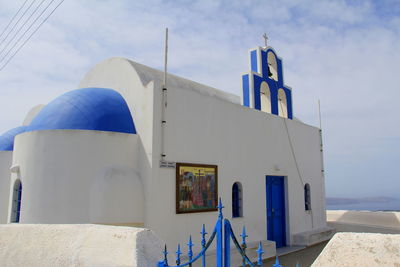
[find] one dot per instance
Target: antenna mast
(164, 99)
(319, 114)
(166, 58)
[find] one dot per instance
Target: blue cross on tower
(263, 86)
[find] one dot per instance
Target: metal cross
(266, 39)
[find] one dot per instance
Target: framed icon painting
(196, 187)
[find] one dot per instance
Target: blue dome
(7, 138)
(96, 109)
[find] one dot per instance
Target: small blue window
(307, 197)
(237, 200)
(16, 205)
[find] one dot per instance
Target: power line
(30, 36)
(19, 30)
(5, 29)
(17, 22)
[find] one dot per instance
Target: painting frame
(178, 182)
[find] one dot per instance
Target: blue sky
(345, 53)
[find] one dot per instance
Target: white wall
(246, 145)
(120, 74)
(75, 176)
(205, 125)
(5, 165)
(78, 245)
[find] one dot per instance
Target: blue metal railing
(224, 233)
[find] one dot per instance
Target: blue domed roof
(7, 138)
(97, 109)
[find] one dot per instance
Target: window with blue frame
(237, 200)
(307, 197)
(16, 205)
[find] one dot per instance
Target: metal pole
(244, 245)
(203, 244)
(319, 114)
(166, 58)
(227, 244)
(164, 98)
(220, 235)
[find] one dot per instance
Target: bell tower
(263, 86)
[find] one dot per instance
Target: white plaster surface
(78, 245)
(313, 237)
(75, 176)
(207, 126)
(360, 249)
(5, 164)
(246, 144)
(72, 176)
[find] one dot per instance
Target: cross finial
(244, 235)
(265, 39)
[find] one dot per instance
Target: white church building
(119, 150)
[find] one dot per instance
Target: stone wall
(78, 245)
(360, 249)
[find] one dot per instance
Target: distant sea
(368, 203)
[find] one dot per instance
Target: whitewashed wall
(78, 245)
(5, 164)
(205, 125)
(137, 90)
(246, 145)
(74, 176)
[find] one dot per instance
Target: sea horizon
(363, 204)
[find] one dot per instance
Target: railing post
(178, 255)
(203, 245)
(277, 264)
(164, 263)
(244, 245)
(190, 251)
(227, 244)
(219, 235)
(260, 251)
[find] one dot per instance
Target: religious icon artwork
(196, 187)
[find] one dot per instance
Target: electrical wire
(30, 36)
(12, 19)
(17, 22)
(294, 155)
(18, 31)
(290, 140)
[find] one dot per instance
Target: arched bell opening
(272, 66)
(265, 95)
(282, 104)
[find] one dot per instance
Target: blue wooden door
(276, 222)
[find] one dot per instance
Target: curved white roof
(148, 74)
